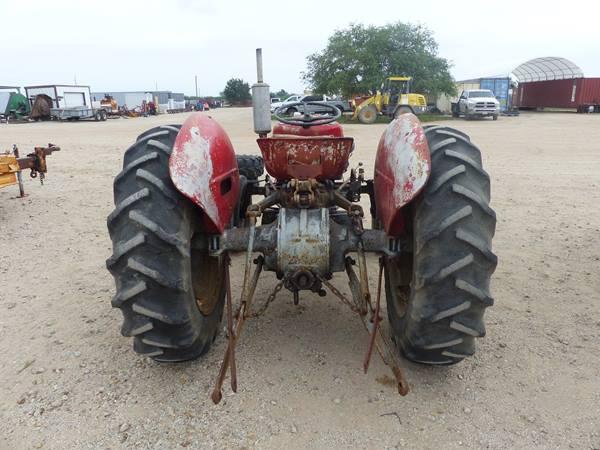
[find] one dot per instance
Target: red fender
(402, 167)
(203, 167)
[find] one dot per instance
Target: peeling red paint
(333, 129)
(402, 167)
(323, 158)
(203, 167)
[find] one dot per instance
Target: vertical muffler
(261, 100)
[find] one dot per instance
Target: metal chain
(345, 300)
(270, 299)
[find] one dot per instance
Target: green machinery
(13, 104)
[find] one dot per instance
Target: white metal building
(547, 68)
(165, 100)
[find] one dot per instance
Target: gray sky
(136, 45)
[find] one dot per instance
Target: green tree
(282, 94)
(357, 59)
(236, 91)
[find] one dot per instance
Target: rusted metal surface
(248, 266)
(260, 311)
(345, 300)
(19, 174)
(203, 167)
(321, 158)
(303, 240)
(230, 332)
(12, 165)
(208, 280)
(374, 320)
(312, 221)
(36, 161)
(365, 295)
(241, 316)
(402, 167)
(383, 342)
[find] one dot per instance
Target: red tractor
(184, 203)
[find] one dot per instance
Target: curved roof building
(547, 68)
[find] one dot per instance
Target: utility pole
(196, 79)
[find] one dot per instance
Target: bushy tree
(282, 94)
(357, 59)
(236, 91)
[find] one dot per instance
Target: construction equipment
(109, 104)
(184, 204)
(11, 166)
(392, 100)
(13, 104)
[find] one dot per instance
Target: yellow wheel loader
(393, 99)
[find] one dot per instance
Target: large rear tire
(367, 114)
(437, 296)
(171, 295)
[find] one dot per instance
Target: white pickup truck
(476, 103)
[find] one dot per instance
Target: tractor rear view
(184, 204)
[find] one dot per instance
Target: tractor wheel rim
(208, 277)
(399, 292)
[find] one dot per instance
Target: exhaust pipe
(261, 100)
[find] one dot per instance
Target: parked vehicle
(392, 100)
(13, 105)
(319, 104)
(68, 102)
(79, 113)
(291, 99)
(476, 103)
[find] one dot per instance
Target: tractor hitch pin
(382, 340)
(234, 336)
(374, 320)
(248, 289)
(230, 332)
(19, 176)
(248, 266)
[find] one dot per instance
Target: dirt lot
(69, 380)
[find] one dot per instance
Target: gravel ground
(68, 380)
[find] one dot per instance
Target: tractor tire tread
(151, 228)
(453, 259)
(250, 166)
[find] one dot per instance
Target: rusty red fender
(402, 167)
(203, 167)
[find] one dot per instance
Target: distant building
(541, 82)
(165, 100)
